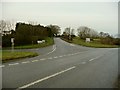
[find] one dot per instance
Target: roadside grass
(9, 55)
(94, 44)
(48, 41)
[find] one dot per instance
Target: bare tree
(69, 32)
(6, 26)
(2, 25)
(32, 22)
(9, 25)
(85, 32)
(55, 29)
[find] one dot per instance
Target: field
(95, 44)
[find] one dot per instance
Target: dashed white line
(35, 60)
(45, 78)
(2, 66)
(42, 59)
(13, 64)
(25, 62)
(83, 62)
(91, 59)
(94, 58)
(50, 58)
(55, 57)
(76, 53)
(60, 56)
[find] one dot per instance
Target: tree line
(85, 32)
(32, 32)
(29, 34)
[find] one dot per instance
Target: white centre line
(13, 64)
(42, 59)
(55, 57)
(26, 62)
(91, 59)
(94, 58)
(60, 56)
(2, 66)
(83, 62)
(50, 58)
(45, 78)
(35, 60)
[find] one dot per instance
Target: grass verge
(8, 55)
(81, 42)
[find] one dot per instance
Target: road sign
(87, 39)
(12, 40)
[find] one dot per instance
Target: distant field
(94, 44)
(9, 55)
(49, 41)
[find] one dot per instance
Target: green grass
(94, 44)
(48, 41)
(9, 55)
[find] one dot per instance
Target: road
(63, 65)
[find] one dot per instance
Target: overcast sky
(101, 16)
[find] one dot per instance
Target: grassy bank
(94, 44)
(48, 41)
(8, 55)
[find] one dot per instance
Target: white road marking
(45, 78)
(95, 58)
(42, 59)
(13, 64)
(50, 58)
(91, 59)
(54, 48)
(2, 66)
(35, 60)
(60, 56)
(83, 62)
(55, 57)
(26, 62)
(76, 53)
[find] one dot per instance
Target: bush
(6, 41)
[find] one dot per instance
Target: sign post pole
(12, 41)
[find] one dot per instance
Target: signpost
(12, 41)
(87, 39)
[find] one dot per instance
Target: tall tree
(2, 25)
(85, 32)
(55, 29)
(69, 32)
